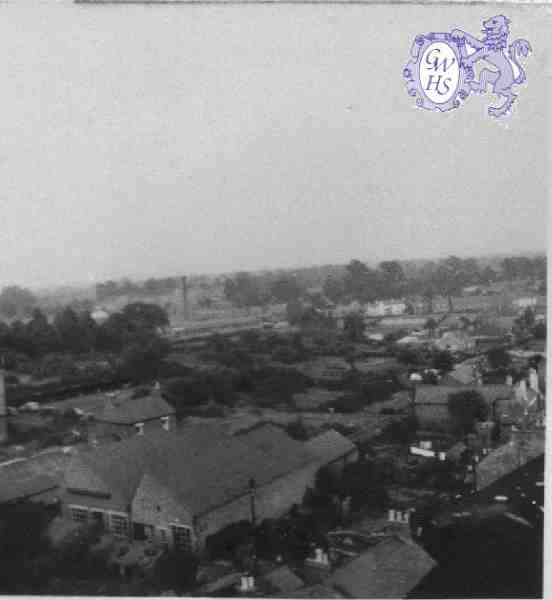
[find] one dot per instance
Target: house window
(79, 515)
(165, 423)
(139, 428)
(182, 537)
(119, 525)
(162, 536)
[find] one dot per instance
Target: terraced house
(177, 489)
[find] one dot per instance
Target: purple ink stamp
(440, 72)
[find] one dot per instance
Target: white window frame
(188, 545)
(139, 428)
(118, 515)
(163, 535)
(165, 423)
(78, 507)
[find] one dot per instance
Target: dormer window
(139, 428)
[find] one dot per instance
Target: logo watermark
(440, 73)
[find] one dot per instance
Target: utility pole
(252, 494)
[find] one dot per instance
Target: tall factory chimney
(184, 300)
(3, 410)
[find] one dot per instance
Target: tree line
(132, 334)
(390, 279)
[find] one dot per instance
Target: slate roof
(462, 374)
(283, 580)
(27, 488)
(389, 569)
(330, 446)
(201, 470)
(134, 410)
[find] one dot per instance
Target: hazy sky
(149, 140)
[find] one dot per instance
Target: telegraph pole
(252, 494)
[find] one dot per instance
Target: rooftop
(128, 411)
(218, 467)
(330, 446)
(389, 569)
(438, 394)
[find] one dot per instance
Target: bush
(467, 407)
(297, 431)
(498, 358)
(175, 570)
(349, 403)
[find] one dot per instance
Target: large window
(182, 538)
(119, 524)
(79, 514)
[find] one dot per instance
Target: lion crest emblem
(440, 72)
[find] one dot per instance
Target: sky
(155, 140)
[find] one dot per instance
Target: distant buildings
(381, 308)
(525, 302)
(127, 416)
(456, 341)
(430, 403)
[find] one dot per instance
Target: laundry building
(177, 489)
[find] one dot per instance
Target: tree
(528, 317)
(431, 325)
(176, 570)
(539, 331)
(392, 278)
(466, 408)
(450, 278)
(488, 275)
(443, 361)
(294, 312)
(354, 327)
(42, 336)
(141, 358)
(76, 333)
(361, 281)
(16, 301)
(285, 289)
(143, 316)
(334, 288)
(498, 358)
(243, 290)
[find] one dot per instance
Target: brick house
(430, 403)
(127, 416)
(178, 489)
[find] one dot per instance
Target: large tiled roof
(135, 410)
(201, 468)
(388, 570)
(330, 446)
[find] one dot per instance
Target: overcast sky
(147, 140)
